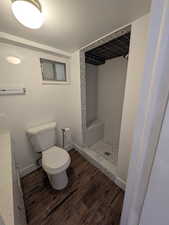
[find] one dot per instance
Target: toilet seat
(55, 160)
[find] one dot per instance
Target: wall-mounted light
(28, 13)
(13, 60)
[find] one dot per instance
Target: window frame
(53, 62)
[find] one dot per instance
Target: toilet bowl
(55, 160)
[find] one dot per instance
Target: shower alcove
(103, 66)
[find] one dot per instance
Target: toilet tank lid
(38, 129)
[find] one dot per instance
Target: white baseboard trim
(121, 183)
(69, 147)
(26, 170)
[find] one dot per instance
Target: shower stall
(103, 79)
(105, 85)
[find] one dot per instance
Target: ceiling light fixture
(28, 13)
(13, 60)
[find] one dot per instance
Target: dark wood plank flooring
(89, 199)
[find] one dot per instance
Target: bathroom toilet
(55, 160)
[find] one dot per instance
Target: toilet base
(58, 181)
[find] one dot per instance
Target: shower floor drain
(107, 153)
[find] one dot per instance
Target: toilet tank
(42, 137)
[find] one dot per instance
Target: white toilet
(55, 160)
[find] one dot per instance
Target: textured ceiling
(71, 24)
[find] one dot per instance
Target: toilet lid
(55, 160)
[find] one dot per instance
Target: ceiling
(72, 24)
(112, 49)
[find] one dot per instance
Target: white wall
(91, 93)
(134, 77)
(111, 86)
(155, 209)
(74, 115)
(42, 103)
(156, 150)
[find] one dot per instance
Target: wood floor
(90, 198)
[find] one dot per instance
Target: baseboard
(121, 183)
(26, 170)
(69, 147)
(76, 147)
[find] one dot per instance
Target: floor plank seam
(61, 203)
